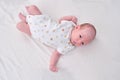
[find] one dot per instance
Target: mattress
(23, 58)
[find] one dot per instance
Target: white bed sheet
(22, 58)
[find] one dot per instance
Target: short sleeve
(65, 49)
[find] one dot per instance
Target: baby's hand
(69, 18)
(74, 19)
(53, 68)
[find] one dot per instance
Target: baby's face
(82, 36)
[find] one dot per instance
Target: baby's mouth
(73, 42)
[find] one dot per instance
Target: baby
(63, 35)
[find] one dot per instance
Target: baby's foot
(53, 68)
(23, 27)
(33, 10)
(22, 17)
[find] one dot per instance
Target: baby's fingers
(53, 68)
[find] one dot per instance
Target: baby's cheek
(87, 41)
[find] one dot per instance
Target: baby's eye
(82, 43)
(80, 36)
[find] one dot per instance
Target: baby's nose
(80, 42)
(77, 39)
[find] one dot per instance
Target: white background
(22, 58)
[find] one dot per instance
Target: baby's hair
(88, 25)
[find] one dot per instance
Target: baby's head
(83, 34)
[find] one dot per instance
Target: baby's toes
(22, 17)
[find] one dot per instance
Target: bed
(23, 58)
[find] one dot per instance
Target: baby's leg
(23, 27)
(33, 10)
(22, 17)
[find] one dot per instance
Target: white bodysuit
(51, 33)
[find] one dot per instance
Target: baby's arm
(69, 18)
(53, 61)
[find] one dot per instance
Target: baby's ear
(77, 27)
